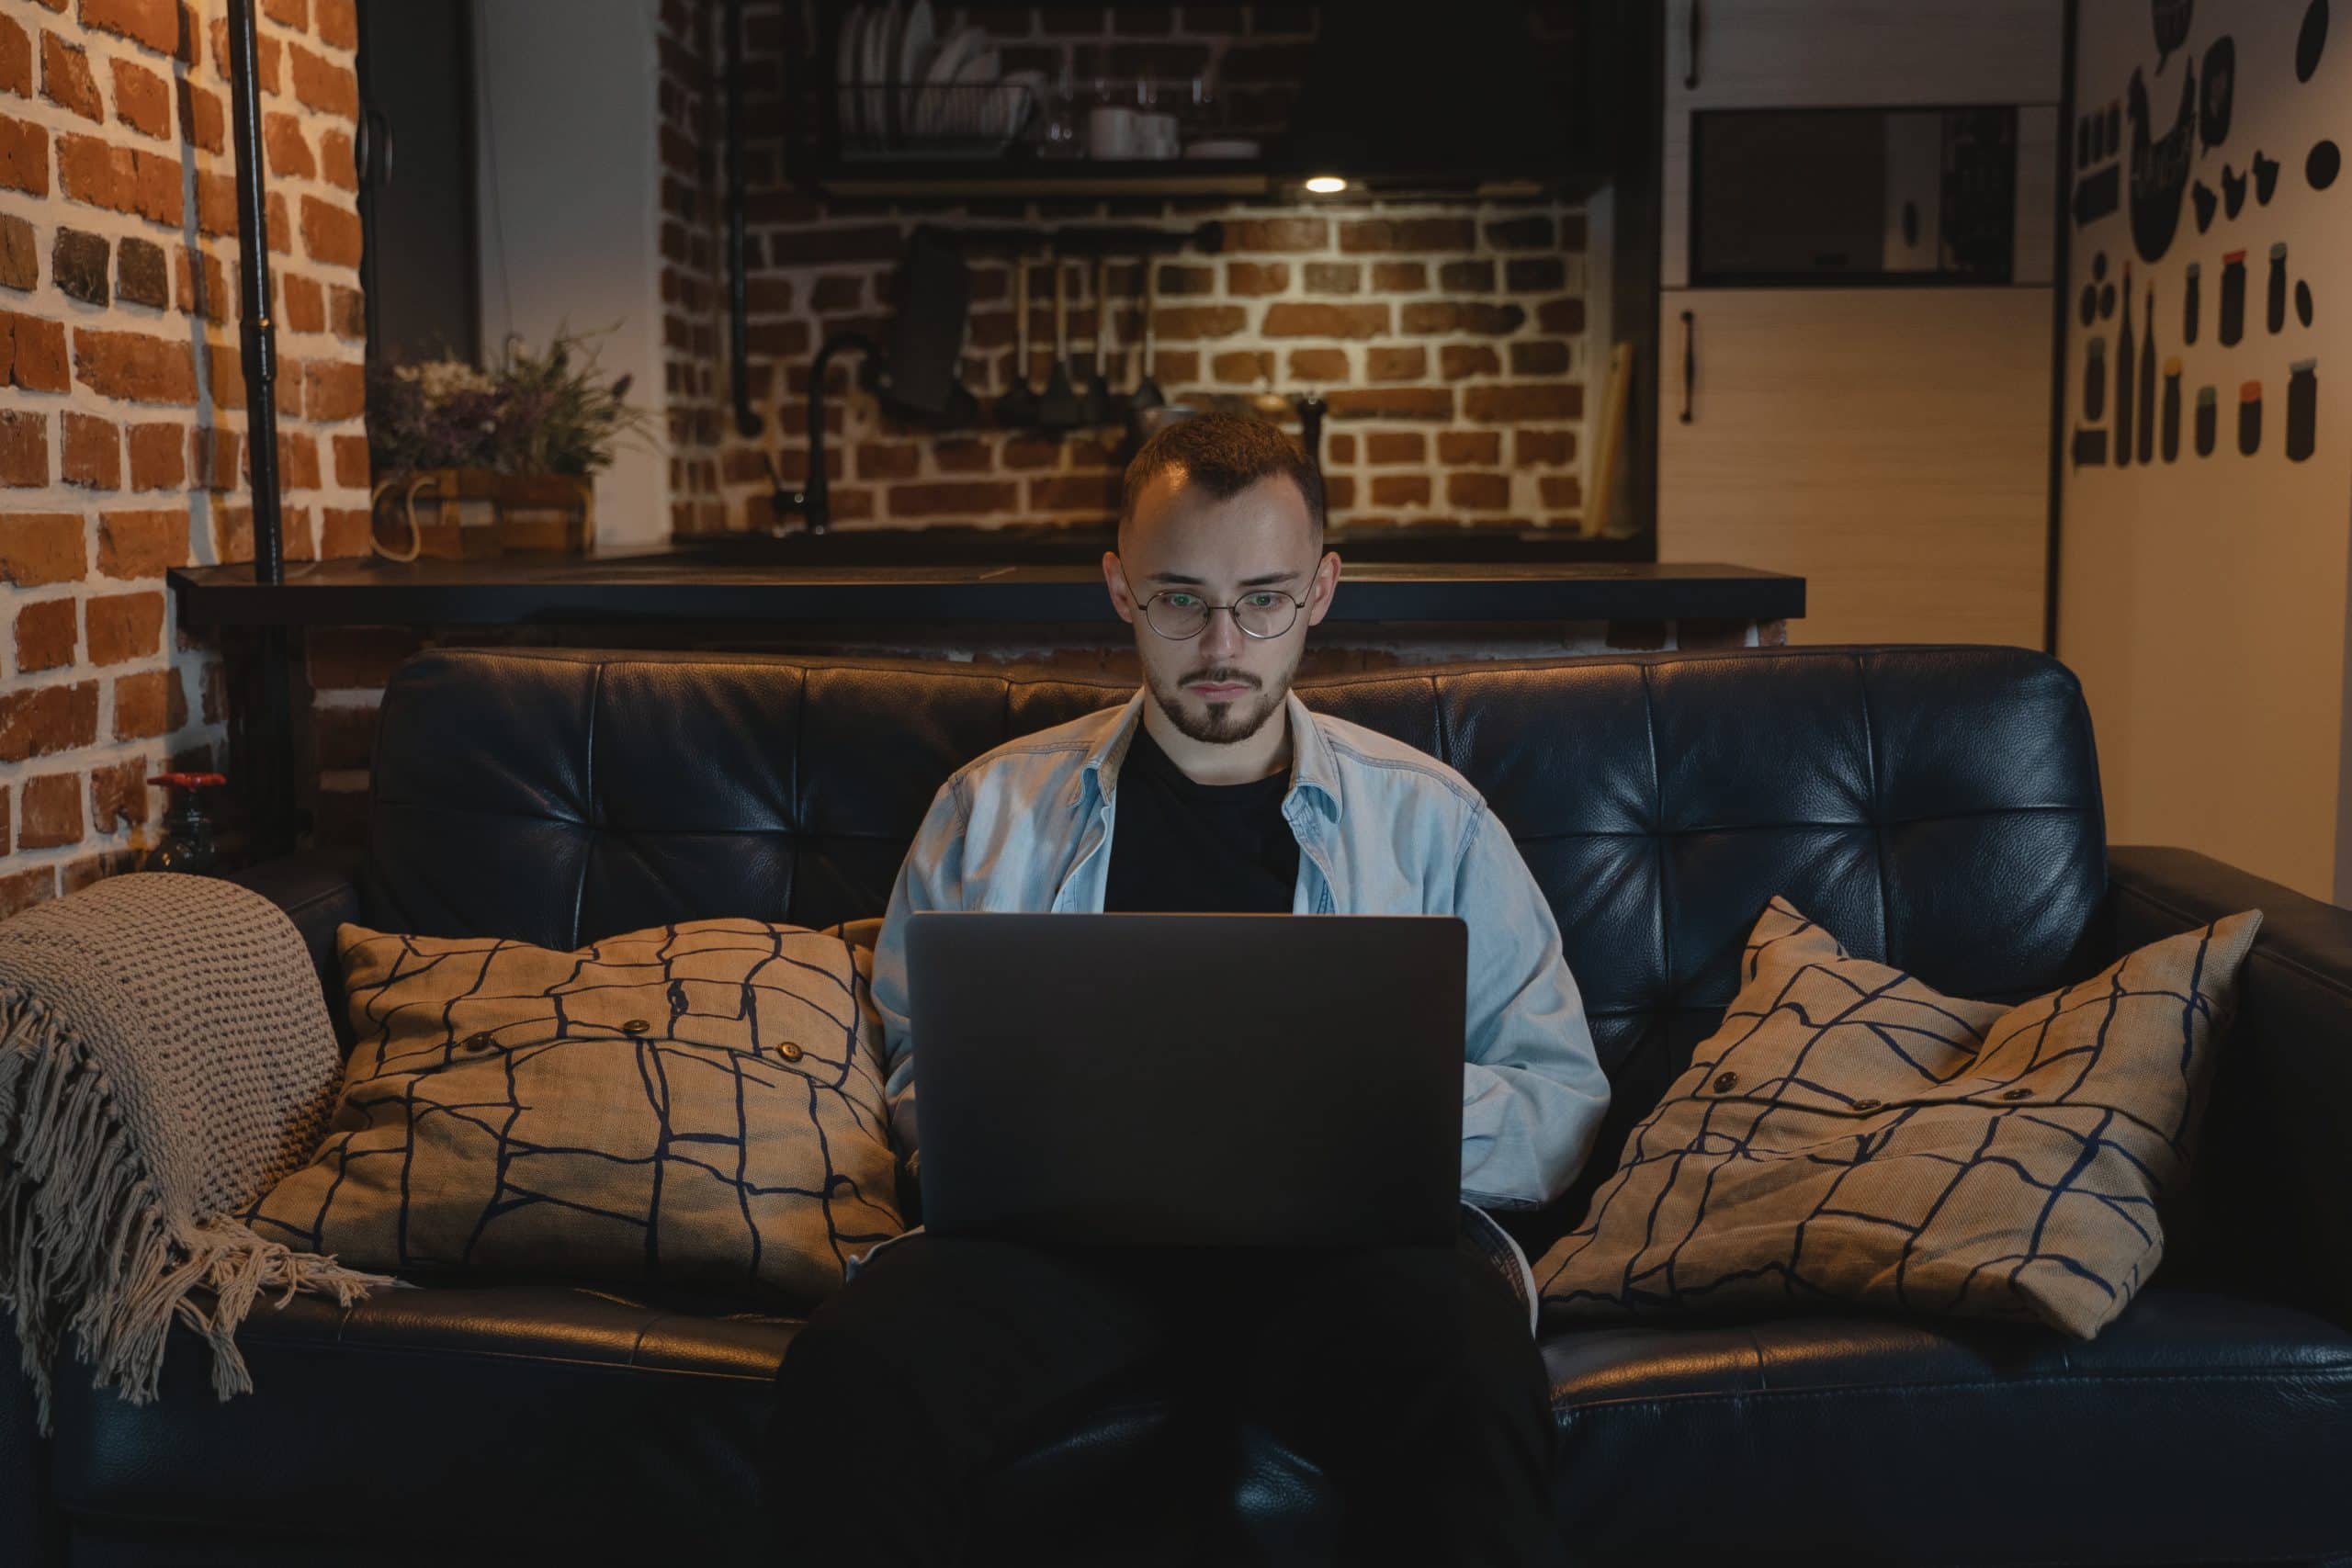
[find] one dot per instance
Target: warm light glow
(1327, 185)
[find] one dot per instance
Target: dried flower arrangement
(535, 414)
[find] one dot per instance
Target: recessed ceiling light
(1327, 185)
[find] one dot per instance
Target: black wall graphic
(2159, 167)
(2140, 400)
(2220, 78)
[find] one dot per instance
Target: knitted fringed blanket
(164, 1059)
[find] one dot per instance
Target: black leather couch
(1935, 806)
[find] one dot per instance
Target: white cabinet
(1890, 443)
(1891, 446)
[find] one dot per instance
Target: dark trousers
(1406, 1376)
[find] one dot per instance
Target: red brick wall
(122, 397)
(1449, 337)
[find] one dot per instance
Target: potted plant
(472, 463)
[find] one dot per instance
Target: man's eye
(1260, 601)
(1184, 601)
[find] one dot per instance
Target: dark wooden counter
(664, 585)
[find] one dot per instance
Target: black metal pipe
(258, 338)
(739, 356)
(261, 726)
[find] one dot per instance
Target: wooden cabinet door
(1891, 446)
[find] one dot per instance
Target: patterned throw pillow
(1848, 1135)
(699, 1103)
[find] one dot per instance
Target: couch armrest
(319, 889)
(2270, 1201)
(29, 1523)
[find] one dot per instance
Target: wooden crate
(476, 515)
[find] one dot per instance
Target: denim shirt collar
(1311, 768)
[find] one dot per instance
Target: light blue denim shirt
(1382, 828)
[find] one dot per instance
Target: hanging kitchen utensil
(1017, 409)
(1148, 395)
(1058, 409)
(1096, 404)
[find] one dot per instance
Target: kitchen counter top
(666, 585)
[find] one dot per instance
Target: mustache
(1222, 677)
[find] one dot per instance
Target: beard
(1220, 723)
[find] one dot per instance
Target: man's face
(1221, 686)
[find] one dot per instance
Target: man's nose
(1223, 634)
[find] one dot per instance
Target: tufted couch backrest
(1937, 807)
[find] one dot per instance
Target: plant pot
(477, 514)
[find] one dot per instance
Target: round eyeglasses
(1179, 615)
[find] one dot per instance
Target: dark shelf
(685, 586)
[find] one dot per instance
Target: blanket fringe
(86, 1247)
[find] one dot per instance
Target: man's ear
(1325, 584)
(1115, 580)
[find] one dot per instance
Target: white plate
(936, 108)
(1011, 104)
(873, 48)
(846, 72)
(913, 57)
(979, 72)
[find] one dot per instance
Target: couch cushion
(559, 1420)
(1850, 1134)
(2198, 1429)
(696, 1103)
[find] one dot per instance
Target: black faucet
(808, 501)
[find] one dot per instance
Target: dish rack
(894, 120)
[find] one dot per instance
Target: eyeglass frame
(1209, 611)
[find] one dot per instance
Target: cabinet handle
(1690, 363)
(1690, 63)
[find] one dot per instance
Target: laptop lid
(1189, 1079)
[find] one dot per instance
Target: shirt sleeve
(930, 877)
(1533, 1091)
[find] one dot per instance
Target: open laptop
(1190, 1080)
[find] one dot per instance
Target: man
(1408, 1377)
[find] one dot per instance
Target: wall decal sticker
(2090, 448)
(2106, 302)
(2088, 308)
(2322, 164)
(2146, 430)
(2232, 325)
(2096, 194)
(2213, 106)
(2266, 178)
(2302, 409)
(2189, 296)
(2232, 191)
(2303, 302)
(2205, 200)
(2274, 297)
(2310, 41)
(2171, 19)
(2208, 421)
(2172, 409)
(2094, 379)
(2249, 419)
(2159, 167)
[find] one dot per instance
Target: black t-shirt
(1185, 848)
